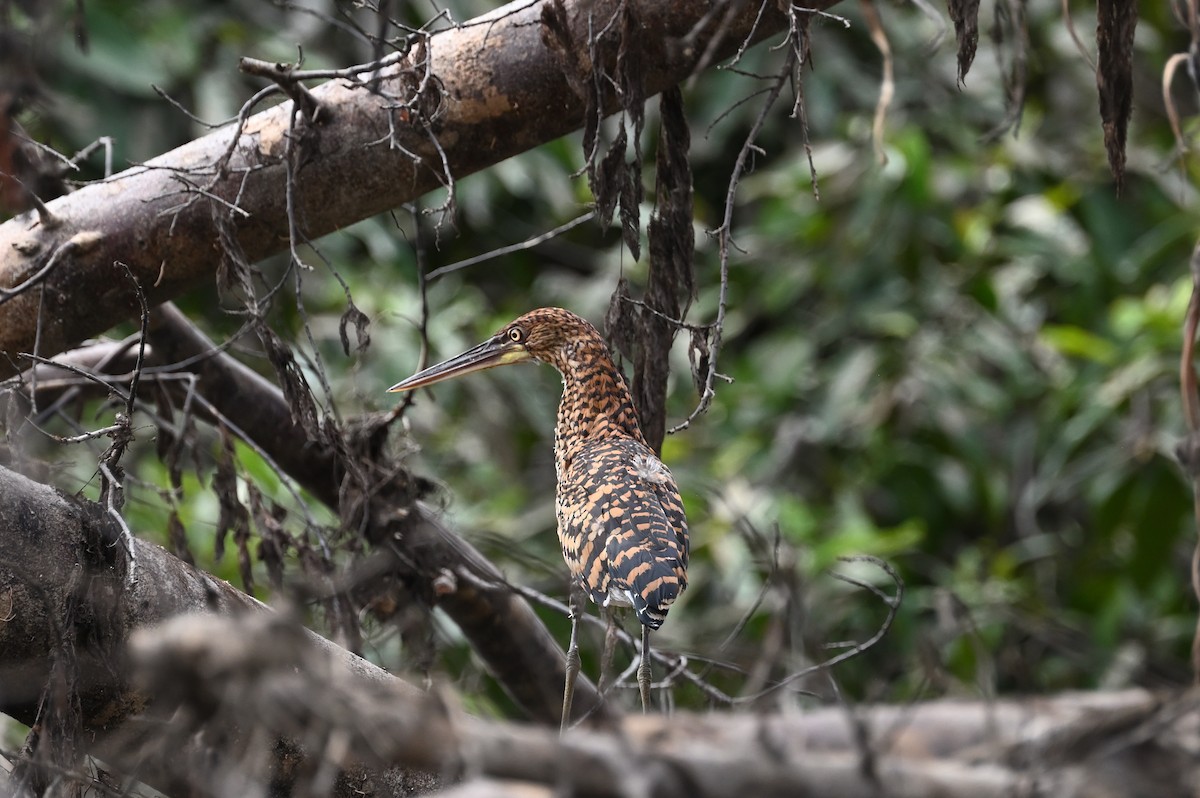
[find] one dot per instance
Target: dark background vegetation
(963, 360)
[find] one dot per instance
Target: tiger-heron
(620, 519)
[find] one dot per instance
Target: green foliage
(962, 361)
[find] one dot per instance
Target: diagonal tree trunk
(503, 91)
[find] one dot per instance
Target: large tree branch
(504, 92)
(69, 601)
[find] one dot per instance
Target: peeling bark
(1115, 25)
(671, 283)
(965, 16)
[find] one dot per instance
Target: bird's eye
(516, 335)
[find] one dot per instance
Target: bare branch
(288, 77)
(887, 85)
(528, 243)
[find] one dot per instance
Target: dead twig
(528, 243)
(887, 84)
(288, 78)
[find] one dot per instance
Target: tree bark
(504, 92)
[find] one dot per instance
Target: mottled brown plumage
(620, 520)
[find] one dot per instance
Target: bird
(621, 521)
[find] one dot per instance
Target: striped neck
(596, 402)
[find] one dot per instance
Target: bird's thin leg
(610, 644)
(572, 656)
(643, 672)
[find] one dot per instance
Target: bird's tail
(654, 578)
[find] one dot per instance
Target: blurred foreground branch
(1130, 743)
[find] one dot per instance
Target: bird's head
(548, 335)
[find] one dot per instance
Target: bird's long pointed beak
(496, 351)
